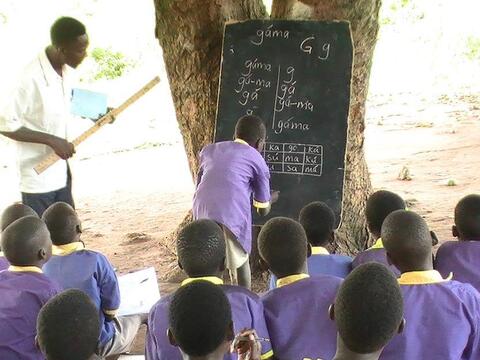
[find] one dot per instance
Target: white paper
(138, 292)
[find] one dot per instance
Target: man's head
(408, 241)
(467, 218)
(283, 247)
(68, 327)
(63, 223)
(379, 205)
(26, 242)
(200, 321)
(201, 248)
(318, 220)
(69, 37)
(368, 309)
(15, 212)
(251, 129)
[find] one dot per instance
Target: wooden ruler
(106, 119)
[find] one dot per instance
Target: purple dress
(4, 264)
(232, 177)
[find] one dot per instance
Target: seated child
(297, 310)
(318, 220)
(379, 205)
(442, 315)
(366, 326)
(201, 254)
(9, 215)
(200, 325)
(24, 289)
(75, 267)
(231, 174)
(461, 257)
(63, 336)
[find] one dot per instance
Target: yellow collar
(34, 269)
(319, 250)
(67, 249)
(378, 244)
(422, 277)
(1, 254)
(240, 141)
(213, 279)
(287, 280)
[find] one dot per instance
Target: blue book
(88, 104)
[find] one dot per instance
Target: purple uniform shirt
(462, 258)
(92, 273)
(247, 313)
(375, 254)
(4, 264)
(298, 321)
(22, 296)
(442, 322)
(232, 175)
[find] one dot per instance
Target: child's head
(63, 223)
(283, 247)
(26, 242)
(200, 321)
(15, 212)
(379, 205)
(68, 327)
(368, 309)
(201, 249)
(318, 220)
(467, 218)
(251, 129)
(408, 241)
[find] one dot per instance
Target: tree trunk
(363, 17)
(190, 33)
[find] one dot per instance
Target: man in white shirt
(38, 116)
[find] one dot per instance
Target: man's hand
(247, 346)
(62, 147)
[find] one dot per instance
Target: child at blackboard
(318, 220)
(233, 174)
(75, 267)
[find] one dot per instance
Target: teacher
(40, 112)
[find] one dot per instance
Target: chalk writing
(269, 33)
(307, 47)
(294, 159)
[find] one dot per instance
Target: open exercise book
(138, 292)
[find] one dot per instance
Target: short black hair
(62, 222)
(467, 217)
(23, 239)
(68, 327)
(282, 244)
(15, 212)
(201, 248)
(407, 239)
(250, 128)
(318, 220)
(66, 30)
(199, 317)
(368, 308)
(379, 205)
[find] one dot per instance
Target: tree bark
(363, 18)
(190, 33)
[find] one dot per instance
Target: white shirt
(41, 102)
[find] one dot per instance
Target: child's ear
(402, 325)
(332, 237)
(455, 231)
(259, 144)
(179, 264)
(171, 338)
(78, 228)
(331, 312)
(42, 254)
(434, 238)
(309, 250)
(263, 265)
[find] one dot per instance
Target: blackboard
(296, 76)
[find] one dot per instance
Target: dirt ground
(136, 198)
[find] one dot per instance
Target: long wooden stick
(106, 119)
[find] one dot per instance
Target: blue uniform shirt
(73, 267)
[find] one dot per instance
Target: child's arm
(109, 291)
(262, 196)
